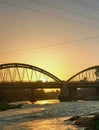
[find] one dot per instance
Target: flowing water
(46, 115)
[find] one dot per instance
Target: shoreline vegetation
(6, 106)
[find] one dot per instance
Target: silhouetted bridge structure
(24, 76)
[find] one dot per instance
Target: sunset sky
(59, 36)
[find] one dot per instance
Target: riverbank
(91, 121)
(5, 106)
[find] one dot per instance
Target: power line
(45, 13)
(83, 4)
(65, 10)
(88, 1)
(53, 45)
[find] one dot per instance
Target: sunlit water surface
(46, 115)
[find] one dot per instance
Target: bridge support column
(32, 96)
(68, 93)
(73, 93)
(97, 91)
(1, 95)
(64, 93)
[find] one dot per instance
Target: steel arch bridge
(90, 74)
(18, 72)
(24, 76)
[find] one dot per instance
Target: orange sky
(61, 37)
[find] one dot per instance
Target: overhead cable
(65, 10)
(52, 15)
(73, 43)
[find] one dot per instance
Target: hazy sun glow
(43, 79)
(45, 36)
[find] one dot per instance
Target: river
(46, 115)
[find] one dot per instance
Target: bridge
(24, 76)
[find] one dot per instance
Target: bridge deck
(29, 85)
(47, 85)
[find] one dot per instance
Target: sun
(43, 79)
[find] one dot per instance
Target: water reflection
(46, 115)
(52, 124)
(47, 101)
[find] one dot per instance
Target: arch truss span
(13, 72)
(89, 74)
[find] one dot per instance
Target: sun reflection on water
(42, 102)
(51, 124)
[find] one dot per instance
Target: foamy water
(46, 115)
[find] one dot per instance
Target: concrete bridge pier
(97, 91)
(63, 93)
(72, 93)
(68, 93)
(32, 95)
(1, 94)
